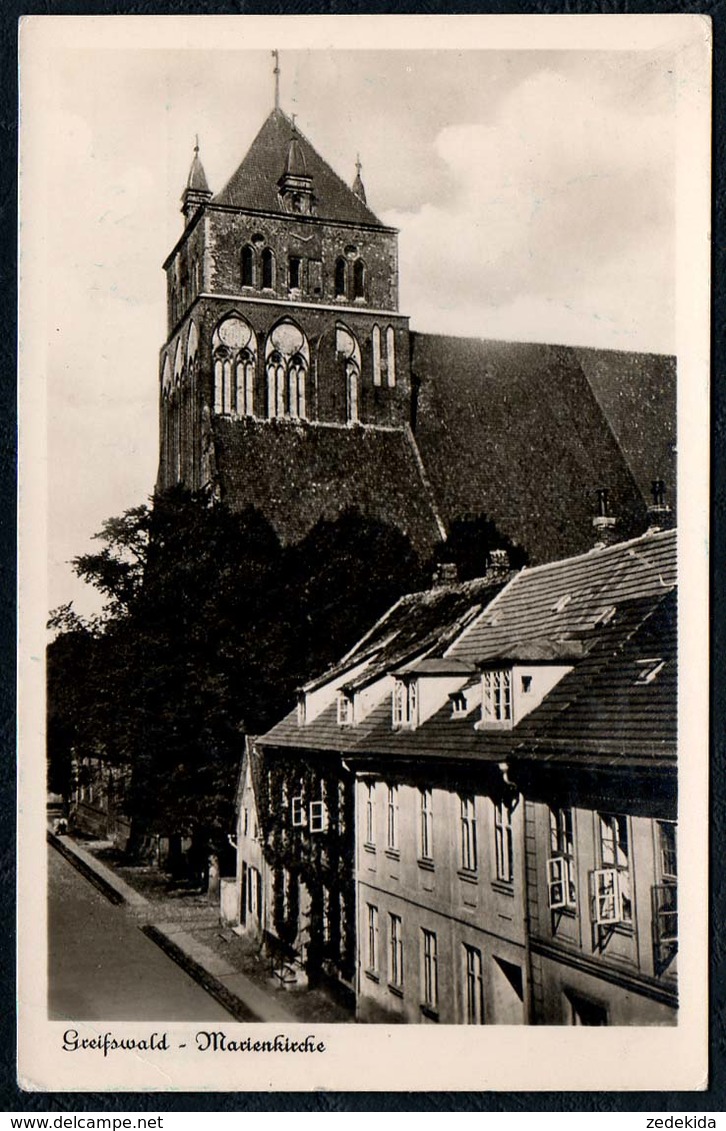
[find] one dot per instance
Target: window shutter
(298, 812)
(608, 901)
(557, 883)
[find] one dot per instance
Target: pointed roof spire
(197, 179)
(276, 73)
(197, 191)
(358, 187)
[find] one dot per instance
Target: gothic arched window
(248, 266)
(341, 278)
(268, 269)
(376, 343)
(391, 356)
(234, 350)
(347, 348)
(359, 279)
(286, 367)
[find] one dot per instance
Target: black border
(12, 1099)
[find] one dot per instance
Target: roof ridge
(607, 551)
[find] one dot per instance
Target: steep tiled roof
(416, 625)
(619, 701)
(296, 473)
(637, 393)
(621, 611)
(567, 600)
(254, 184)
(515, 431)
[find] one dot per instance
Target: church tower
(282, 299)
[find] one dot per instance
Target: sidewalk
(187, 928)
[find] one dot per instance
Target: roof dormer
(296, 185)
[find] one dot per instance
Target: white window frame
(392, 819)
(372, 951)
(496, 708)
(503, 842)
(473, 984)
(298, 816)
(426, 824)
(405, 703)
(370, 803)
(614, 844)
(345, 709)
(607, 897)
(318, 817)
(254, 884)
(395, 952)
(469, 856)
(561, 886)
(429, 969)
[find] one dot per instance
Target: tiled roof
(637, 393)
(567, 600)
(254, 184)
(417, 624)
(515, 431)
(314, 471)
(605, 711)
(619, 701)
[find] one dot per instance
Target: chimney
(604, 524)
(498, 566)
(445, 573)
(660, 516)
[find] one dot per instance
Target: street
(101, 966)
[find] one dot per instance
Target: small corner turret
(197, 191)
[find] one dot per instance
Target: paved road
(101, 967)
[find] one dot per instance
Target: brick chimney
(660, 515)
(604, 524)
(445, 573)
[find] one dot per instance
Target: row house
(510, 747)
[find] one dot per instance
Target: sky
(534, 191)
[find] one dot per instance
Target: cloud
(563, 202)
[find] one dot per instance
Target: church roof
(314, 471)
(197, 179)
(254, 184)
(516, 431)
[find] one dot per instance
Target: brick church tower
(282, 299)
(290, 382)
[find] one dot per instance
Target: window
(585, 1012)
(295, 272)
(429, 969)
(395, 954)
(359, 279)
(497, 697)
(287, 357)
(474, 984)
(248, 267)
(268, 269)
(341, 272)
(370, 814)
(612, 885)
(526, 684)
(561, 864)
(234, 349)
(426, 825)
(405, 703)
(372, 953)
(468, 835)
(245, 821)
(376, 344)
(318, 817)
(345, 709)
(299, 817)
(665, 898)
(649, 669)
(392, 819)
(503, 847)
(391, 356)
(254, 892)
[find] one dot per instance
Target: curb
(105, 888)
(195, 970)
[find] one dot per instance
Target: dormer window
(458, 704)
(497, 696)
(405, 703)
(345, 709)
(649, 669)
